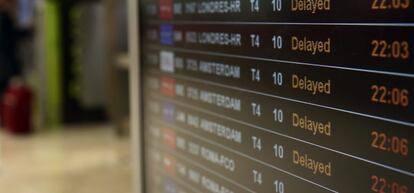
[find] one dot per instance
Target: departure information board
(277, 96)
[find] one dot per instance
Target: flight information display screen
(277, 96)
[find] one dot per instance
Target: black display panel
(277, 96)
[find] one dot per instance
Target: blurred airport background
(64, 100)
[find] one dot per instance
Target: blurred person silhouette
(9, 35)
(9, 66)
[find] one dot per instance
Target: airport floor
(90, 159)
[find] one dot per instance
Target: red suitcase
(17, 109)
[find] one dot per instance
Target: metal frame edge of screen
(135, 95)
